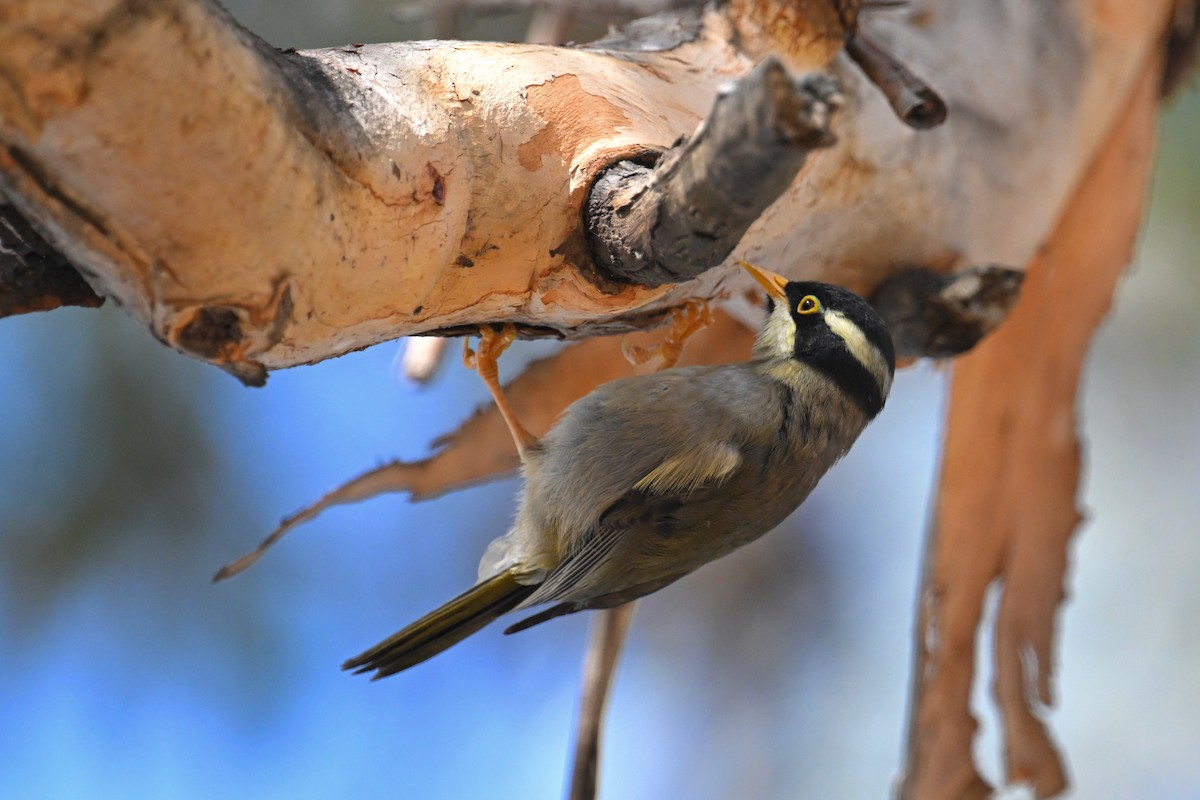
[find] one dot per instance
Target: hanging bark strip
(1006, 507)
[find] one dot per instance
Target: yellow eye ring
(809, 304)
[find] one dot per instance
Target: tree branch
(909, 96)
(272, 209)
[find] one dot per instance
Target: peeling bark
(1006, 507)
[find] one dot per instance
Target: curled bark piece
(423, 357)
(931, 315)
(391, 477)
(913, 100)
(609, 628)
(33, 275)
(674, 221)
(1006, 504)
(482, 448)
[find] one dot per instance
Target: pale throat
(778, 336)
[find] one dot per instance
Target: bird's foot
(687, 319)
(492, 342)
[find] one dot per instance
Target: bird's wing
(620, 532)
(669, 433)
(650, 504)
(709, 463)
(596, 549)
(661, 442)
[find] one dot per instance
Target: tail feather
(442, 627)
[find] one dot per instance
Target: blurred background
(130, 473)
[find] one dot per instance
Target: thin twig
(604, 646)
(550, 23)
(913, 100)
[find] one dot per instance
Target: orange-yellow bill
(770, 281)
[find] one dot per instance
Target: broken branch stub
(931, 315)
(669, 223)
(915, 103)
(34, 276)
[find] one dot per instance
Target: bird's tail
(443, 627)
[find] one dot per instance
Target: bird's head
(831, 329)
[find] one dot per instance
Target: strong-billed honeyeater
(649, 477)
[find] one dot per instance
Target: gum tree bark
(261, 209)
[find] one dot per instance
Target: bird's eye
(808, 305)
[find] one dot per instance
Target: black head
(831, 329)
(821, 311)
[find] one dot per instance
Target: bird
(649, 477)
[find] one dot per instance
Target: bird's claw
(694, 315)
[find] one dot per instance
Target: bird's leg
(492, 343)
(686, 320)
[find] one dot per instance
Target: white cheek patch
(858, 344)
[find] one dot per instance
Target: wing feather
(686, 472)
(577, 567)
